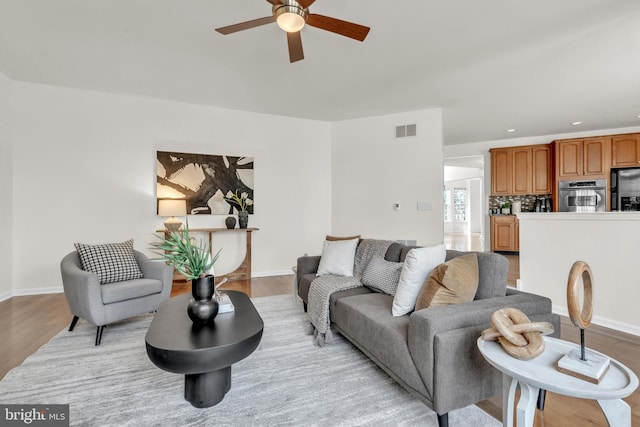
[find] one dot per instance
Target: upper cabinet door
(596, 156)
(500, 172)
(542, 174)
(625, 150)
(521, 175)
(569, 158)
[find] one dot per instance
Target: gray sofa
(431, 352)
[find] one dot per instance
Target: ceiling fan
(291, 16)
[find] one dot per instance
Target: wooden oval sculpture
(580, 318)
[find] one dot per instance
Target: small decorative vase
(230, 222)
(243, 219)
(203, 307)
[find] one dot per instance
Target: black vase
(230, 222)
(203, 307)
(243, 219)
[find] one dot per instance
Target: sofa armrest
(442, 343)
(81, 288)
(306, 265)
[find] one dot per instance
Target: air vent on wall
(404, 131)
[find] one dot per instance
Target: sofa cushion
(112, 262)
(123, 291)
(417, 266)
(338, 257)
(450, 283)
(492, 271)
(366, 320)
(382, 275)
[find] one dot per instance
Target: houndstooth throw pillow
(112, 262)
(382, 275)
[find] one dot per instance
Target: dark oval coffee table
(204, 354)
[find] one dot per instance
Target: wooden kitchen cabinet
(501, 172)
(521, 170)
(505, 233)
(542, 174)
(625, 150)
(583, 157)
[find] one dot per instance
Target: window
(455, 205)
(459, 204)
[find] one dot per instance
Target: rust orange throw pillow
(450, 283)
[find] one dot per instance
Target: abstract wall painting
(204, 180)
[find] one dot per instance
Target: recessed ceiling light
(511, 130)
(576, 123)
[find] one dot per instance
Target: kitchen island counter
(608, 241)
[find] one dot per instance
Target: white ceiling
(532, 65)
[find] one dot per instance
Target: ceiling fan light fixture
(290, 18)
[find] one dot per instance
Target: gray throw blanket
(323, 286)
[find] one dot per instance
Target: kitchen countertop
(584, 216)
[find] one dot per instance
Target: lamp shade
(172, 207)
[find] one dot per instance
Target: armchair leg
(542, 394)
(73, 323)
(99, 334)
(443, 420)
(304, 305)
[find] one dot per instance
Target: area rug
(287, 381)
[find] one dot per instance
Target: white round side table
(542, 373)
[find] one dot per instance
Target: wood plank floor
(28, 322)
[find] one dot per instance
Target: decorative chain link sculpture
(518, 336)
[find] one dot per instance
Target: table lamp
(172, 208)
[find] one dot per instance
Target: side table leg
(617, 412)
(527, 405)
(207, 389)
(509, 386)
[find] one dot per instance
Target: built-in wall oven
(582, 195)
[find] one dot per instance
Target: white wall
(6, 190)
(372, 170)
(84, 170)
(551, 243)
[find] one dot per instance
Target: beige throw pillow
(450, 283)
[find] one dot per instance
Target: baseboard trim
(59, 289)
(32, 291)
(272, 273)
(603, 321)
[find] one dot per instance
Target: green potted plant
(194, 261)
(506, 208)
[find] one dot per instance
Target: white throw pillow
(417, 266)
(338, 257)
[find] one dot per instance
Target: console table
(541, 373)
(243, 272)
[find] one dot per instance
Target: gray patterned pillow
(112, 262)
(382, 275)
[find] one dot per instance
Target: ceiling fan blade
(344, 28)
(245, 25)
(295, 47)
(305, 3)
(274, 2)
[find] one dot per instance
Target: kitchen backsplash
(528, 202)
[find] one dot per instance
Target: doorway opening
(463, 203)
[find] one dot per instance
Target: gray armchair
(108, 303)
